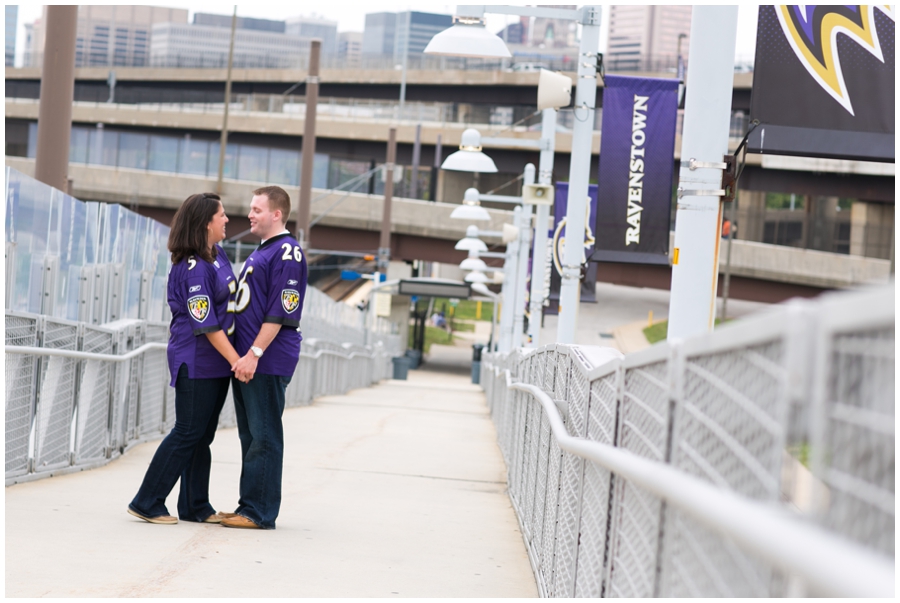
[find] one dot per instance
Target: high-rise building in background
(645, 35)
(350, 47)
(308, 28)
(379, 33)
(515, 32)
(188, 45)
(386, 33)
(242, 22)
(12, 22)
(108, 34)
(553, 33)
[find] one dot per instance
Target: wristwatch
(258, 352)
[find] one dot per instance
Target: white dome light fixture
(482, 289)
(473, 262)
(468, 38)
(469, 157)
(471, 241)
(471, 208)
(477, 276)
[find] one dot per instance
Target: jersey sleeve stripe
(282, 320)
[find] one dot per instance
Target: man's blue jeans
(258, 407)
(185, 451)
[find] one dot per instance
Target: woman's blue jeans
(258, 407)
(185, 451)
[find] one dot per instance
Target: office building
(386, 33)
(553, 33)
(12, 21)
(350, 47)
(644, 34)
(242, 22)
(308, 28)
(514, 33)
(109, 35)
(186, 45)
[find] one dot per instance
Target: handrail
(22, 349)
(840, 567)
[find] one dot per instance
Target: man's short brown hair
(278, 199)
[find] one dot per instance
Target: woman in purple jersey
(201, 355)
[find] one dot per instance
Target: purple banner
(635, 187)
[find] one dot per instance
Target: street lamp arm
(524, 11)
(500, 199)
(516, 143)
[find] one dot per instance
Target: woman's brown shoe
(160, 519)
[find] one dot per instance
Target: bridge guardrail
(80, 395)
(757, 460)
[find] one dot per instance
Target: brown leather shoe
(239, 521)
(218, 517)
(160, 519)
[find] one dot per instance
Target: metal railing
(79, 395)
(757, 460)
(529, 58)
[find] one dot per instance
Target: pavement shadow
(448, 359)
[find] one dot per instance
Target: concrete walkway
(398, 490)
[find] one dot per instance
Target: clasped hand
(245, 368)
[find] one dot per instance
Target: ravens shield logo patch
(199, 307)
(290, 300)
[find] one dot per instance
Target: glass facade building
(200, 157)
(12, 21)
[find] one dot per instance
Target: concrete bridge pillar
(751, 215)
(871, 226)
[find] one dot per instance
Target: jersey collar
(275, 238)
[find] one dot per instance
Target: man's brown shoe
(160, 519)
(239, 521)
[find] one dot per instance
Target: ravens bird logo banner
(823, 82)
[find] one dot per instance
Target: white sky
(351, 14)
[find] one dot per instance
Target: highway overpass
(423, 230)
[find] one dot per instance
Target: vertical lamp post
(384, 245)
(304, 206)
(51, 164)
(223, 141)
(707, 112)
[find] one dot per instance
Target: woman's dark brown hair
(188, 235)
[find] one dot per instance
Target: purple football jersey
(272, 289)
(201, 298)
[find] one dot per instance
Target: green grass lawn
(466, 310)
(659, 330)
(459, 325)
(432, 335)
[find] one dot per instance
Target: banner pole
(579, 174)
(541, 225)
(508, 290)
(707, 115)
(522, 267)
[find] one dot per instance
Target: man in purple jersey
(268, 305)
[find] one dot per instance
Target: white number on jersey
(242, 299)
(297, 255)
(232, 287)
